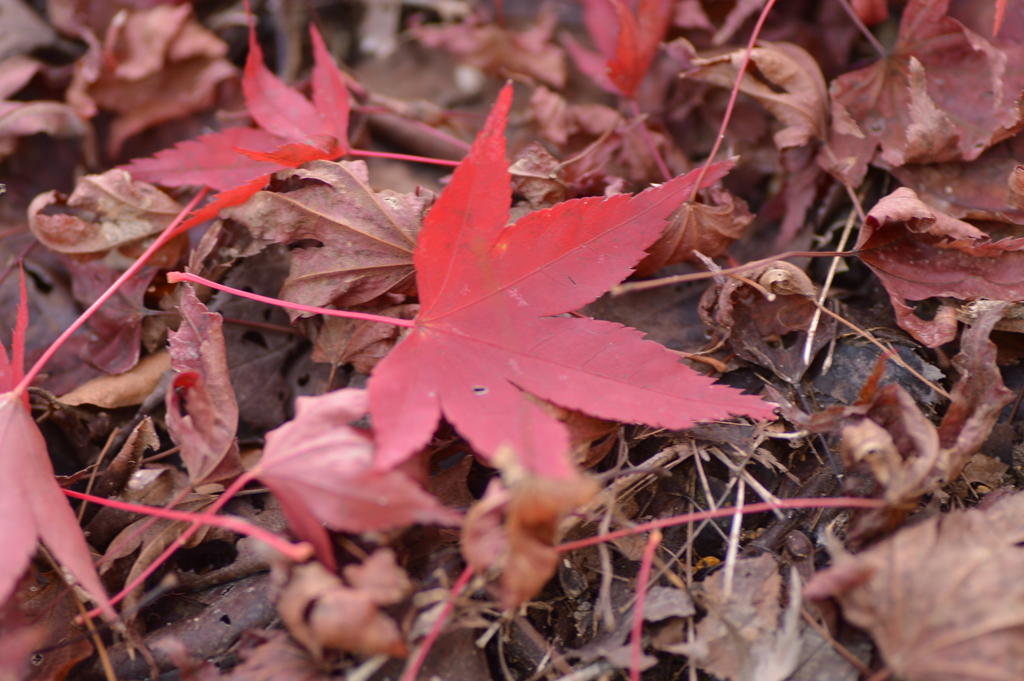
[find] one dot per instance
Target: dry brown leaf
(935, 597)
(501, 52)
(768, 332)
(358, 342)
(158, 64)
(367, 237)
(709, 228)
(942, 94)
(322, 613)
(537, 176)
(104, 212)
(122, 390)
(789, 84)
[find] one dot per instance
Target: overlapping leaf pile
(396, 378)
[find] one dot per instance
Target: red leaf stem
(635, 643)
(413, 669)
(175, 277)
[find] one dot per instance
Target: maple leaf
(322, 472)
(294, 130)
(628, 43)
(944, 93)
(485, 332)
(32, 505)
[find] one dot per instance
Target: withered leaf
(202, 413)
(919, 252)
(788, 83)
(359, 342)
(709, 228)
(367, 238)
(943, 93)
(104, 212)
(935, 597)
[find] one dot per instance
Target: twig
(812, 330)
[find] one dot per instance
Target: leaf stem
(732, 97)
(293, 551)
(412, 671)
(168, 234)
(175, 277)
(724, 512)
(404, 157)
(637, 634)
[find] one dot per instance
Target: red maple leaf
(486, 334)
(293, 130)
(627, 43)
(32, 505)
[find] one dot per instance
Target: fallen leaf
(380, 576)
(202, 413)
(484, 333)
(124, 390)
(160, 64)
(942, 94)
(24, 31)
(322, 612)
(367, 238)
(499, 51)
(358, 342)
(934, 596)
(321, 471)
(104, 212)
(709, 228)
(918, 252)
(787, 82)
(746, 635)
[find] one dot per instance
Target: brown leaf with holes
(104, 212)
(709, 228)
(942, 94)
(366, 238)
(935, 596)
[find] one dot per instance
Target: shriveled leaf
(202, 413)
(483, 335)
(104, 212)
(944, 93)
(321, 471)
(323, 613)
(499, 51)
(935, 597)
(367, 237)
(164, 65)
(380, 577)
(124, 390)
(746, 635)
(919, 252)
(709, 228)
(788, 82)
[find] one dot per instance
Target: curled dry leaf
(161, 65)
(944, 93)
(935, 597)
(787, 82)
(123, 390)
(322, 471)
(709, 228)
(367, 237)
(104, 212)
(513, 530)
(538, 176)
(746, 635)
(919, 252)
(202, 413)
(771, 332)
(321, 612)
(907, 454)
(499, 51)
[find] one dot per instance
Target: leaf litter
(430, 433)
